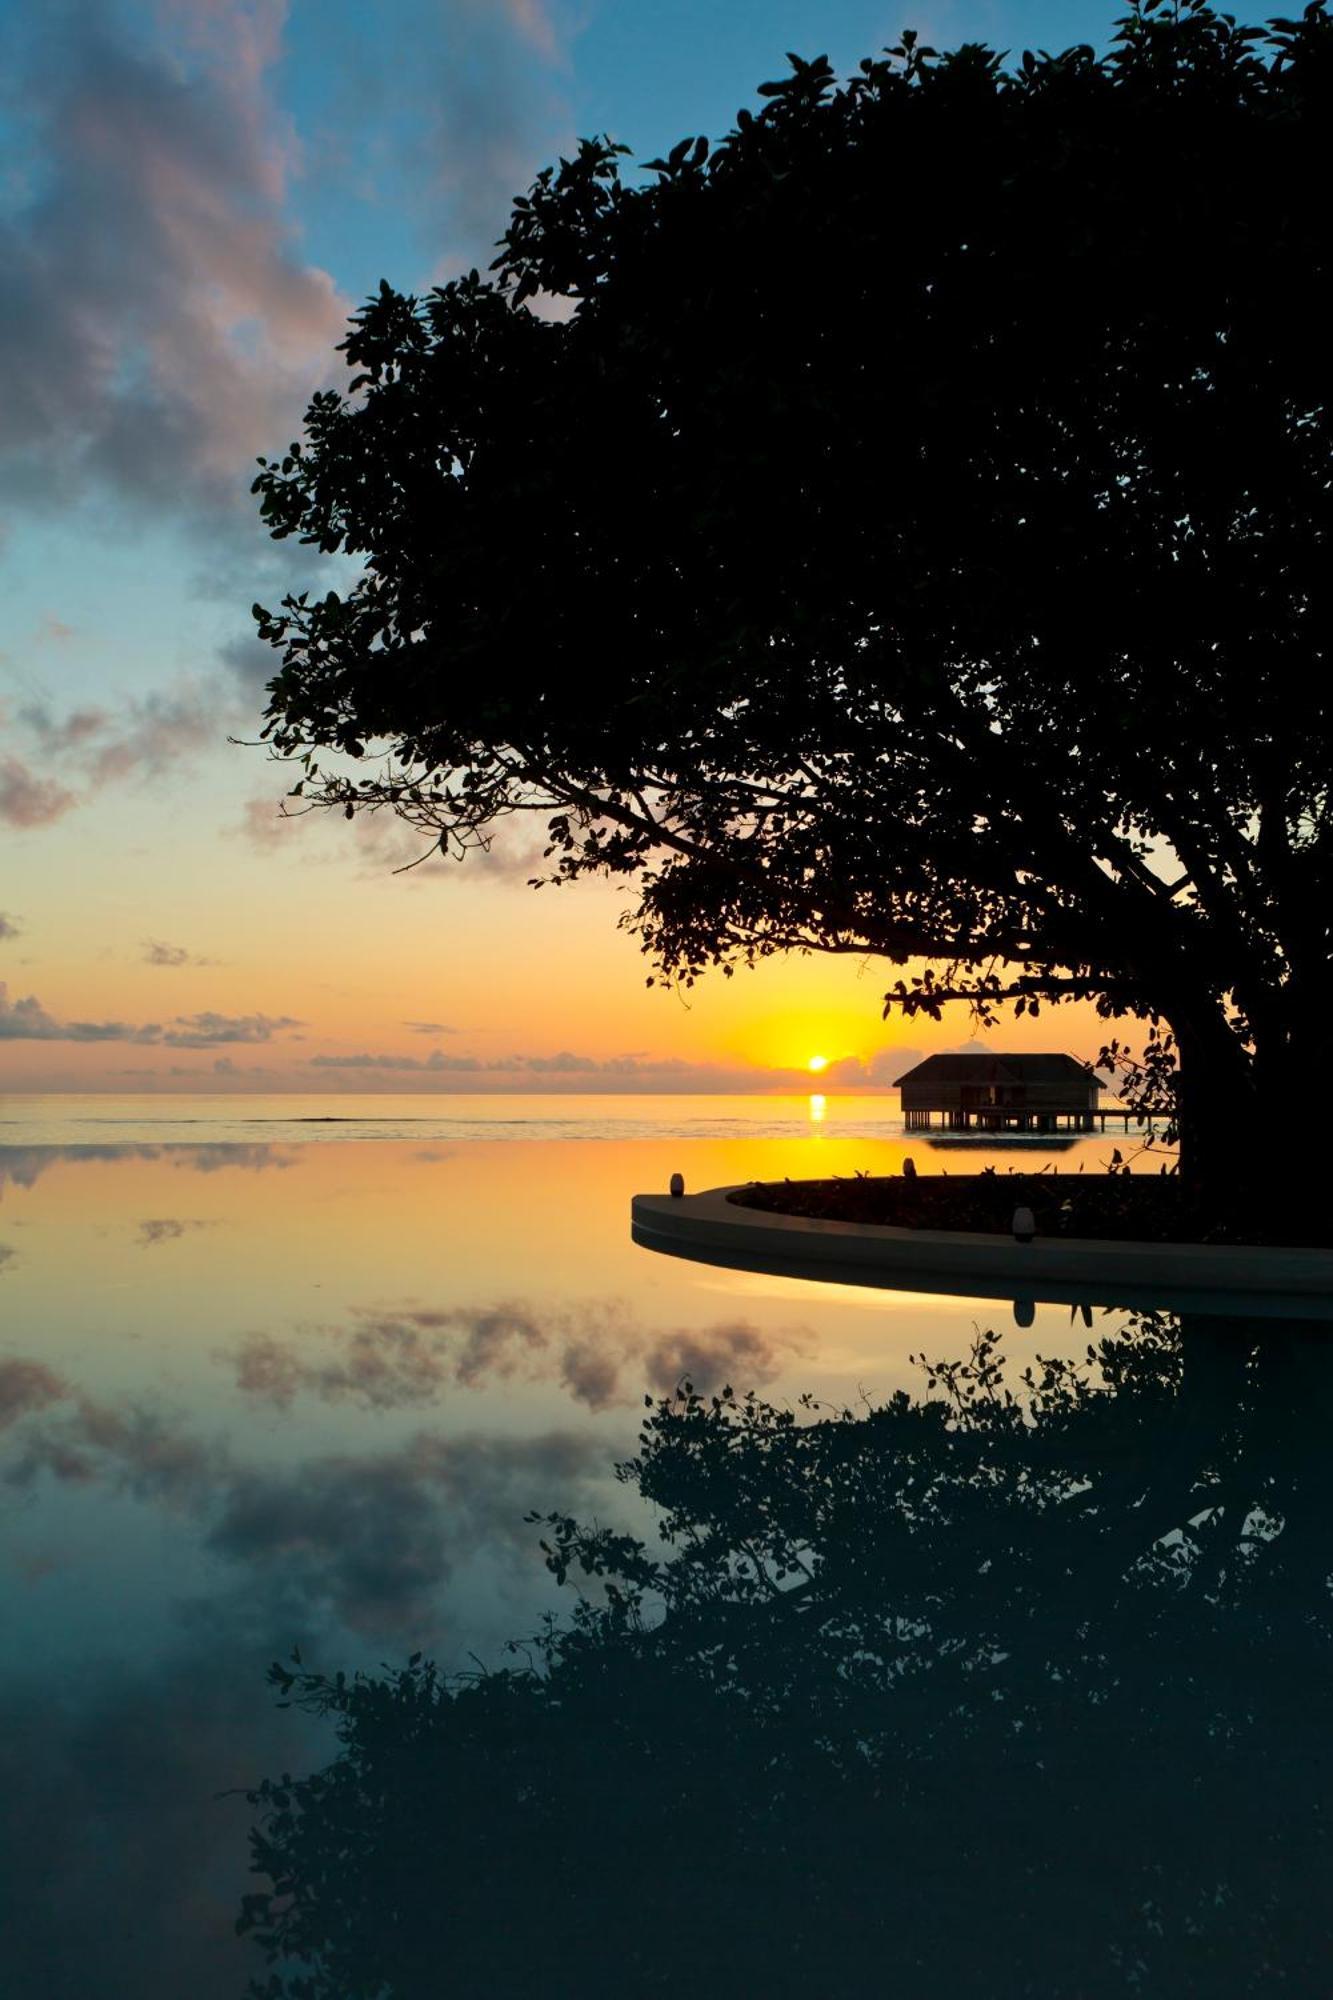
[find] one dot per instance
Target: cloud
(154, 305)
(211, 1031)
(159, 731)
(596, 1350)
(535, 24)
(883, 1069)
(27, 800)
(26, 1020)
(563, 1063)
(60, 739)
(222, 1066)
(514, 856)
(155, 952)
(152, 737)
(625, 1073)
(379, 844)
(265, 823)
(148, 737)
(491, 119)
(7, 1255)
(420, 1027)
(9, 927)
(435, 1062)
(253, 662)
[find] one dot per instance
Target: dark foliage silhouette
(980, 1693)
(912, 540)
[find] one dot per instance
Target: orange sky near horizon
(304, 963)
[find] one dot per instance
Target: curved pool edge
(1227, 1279)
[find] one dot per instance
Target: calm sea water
(260, 1391)
(219, 1119)
(232, 1118)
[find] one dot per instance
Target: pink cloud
(194, 330)
(151, 737)
(27, 800)
(264, 823)
(532, 18)
(27, 1020)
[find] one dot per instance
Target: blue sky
(193, 197)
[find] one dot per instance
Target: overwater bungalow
(995, 1093)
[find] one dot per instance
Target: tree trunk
(1246, 1121)
(1219, 1113)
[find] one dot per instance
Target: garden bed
(1141, 1208)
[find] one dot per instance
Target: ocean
(231, 1118)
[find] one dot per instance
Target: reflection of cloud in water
(374, 1537)
(169, 1229)
(249, 1156)
(124, 1861)
(597, 1350)
(117, 1850)
(369, 1537)
(27, 1385)
(23, 1166)
(80, 1440)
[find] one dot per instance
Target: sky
(194, 196)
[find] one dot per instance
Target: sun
(817, 1063)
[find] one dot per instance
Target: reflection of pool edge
(1262, 1279)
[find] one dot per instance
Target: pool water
(270, 1394)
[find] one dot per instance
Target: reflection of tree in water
(975, 1694)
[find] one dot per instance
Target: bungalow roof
(1010, 1069)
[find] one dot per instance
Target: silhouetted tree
(979, 1694)
(902, 528)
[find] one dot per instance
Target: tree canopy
(900, 528)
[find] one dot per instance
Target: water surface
(261, 1392)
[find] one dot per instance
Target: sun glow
(817, 1063)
